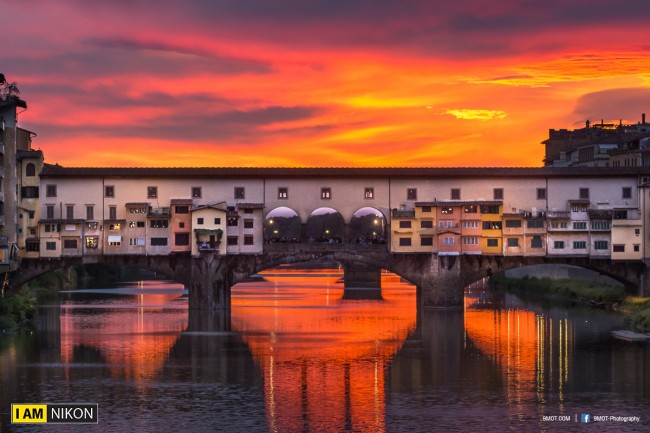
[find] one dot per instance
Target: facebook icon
(585, 417)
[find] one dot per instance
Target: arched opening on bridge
(325, 225)
(367, 225)
(282, 224)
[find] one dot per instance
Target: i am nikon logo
(57, 413)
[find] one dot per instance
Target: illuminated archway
(325, 225)
(282, 224)
(367, 225)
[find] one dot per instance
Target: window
(70, 244)
(601, 245)
(248, 224)
(182, 209)
(152, 192)
(92, 225)
(30, 170)
(583, 193)
(536, 242)
(579, 245)
(181, 224)
(513, 242)
(368, 193)
(232, 221)
(182, 239)
(558, 245)
(404, 242)
(559, 224)
(405, 224)
(240, 193)
(90, 212)
(426, 241)
(196, 192)
(411, 194)
(441, 223)
(29, 192)
(199, 221)
(232, 240)
(216, 220)
(637, 248)
(159, 224)
(455, 193)
(248, 211)
(535, 224)
(490, 209)
(426, 224)
(492, 225)
(114, 227)
(492, 243)
(627, 192)
(426, 209)
(69, 211)
(32, 246)
(32, 214)
(109, 191)
(579, 208)
(470, 224)
(326, 193)
(137, 210)
(140, 224)
(50, 246)
(450, 224)
(470, 209)
(49, 212)
(248, 240)
(618, 248)
(637, 232)
(600, 225)
(498, 193)
(448, 240)
(470, 240)
(132, 224)
(541, 193)
(446, 210)
(283, 193)
(158, 242)
(580, 225)
(112, 212)
(620, 214)
(50, 190)
(513, 224)
(51, 228)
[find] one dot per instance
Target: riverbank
(588, 293)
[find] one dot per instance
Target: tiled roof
(181, 201)
(452, 203)
(229, 172)
(250, 205)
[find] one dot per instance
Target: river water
(293, 356)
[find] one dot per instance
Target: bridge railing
(324, 247)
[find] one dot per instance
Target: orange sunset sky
(320, 83)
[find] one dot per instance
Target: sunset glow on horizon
(320, 83)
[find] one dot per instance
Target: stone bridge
(439, 279)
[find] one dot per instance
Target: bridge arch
(282, 224)
(325, 224)
(368, 224)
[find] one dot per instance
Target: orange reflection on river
(132, 338)
(323, 358)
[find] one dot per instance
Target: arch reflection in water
(125, 332)
(323, 359)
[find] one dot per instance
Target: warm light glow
(313, 84)
(349, 345)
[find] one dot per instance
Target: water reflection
(292, 355)
(323, 359)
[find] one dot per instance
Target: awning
(114, 238)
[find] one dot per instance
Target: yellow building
(492, 227)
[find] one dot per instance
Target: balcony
(159, 211)
(553, 214)
(403, 214)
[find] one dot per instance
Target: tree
(8, 89)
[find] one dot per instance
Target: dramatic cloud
(320, 82)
